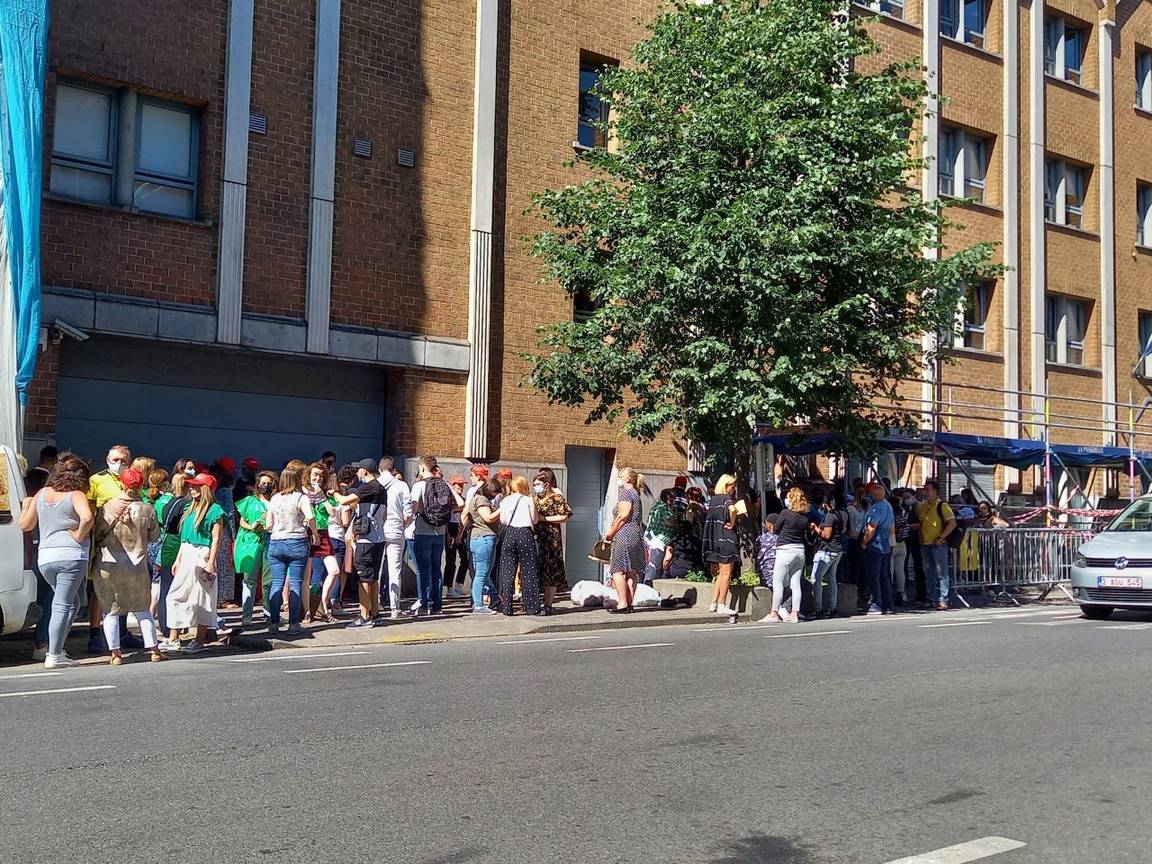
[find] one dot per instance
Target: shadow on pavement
(761, 849)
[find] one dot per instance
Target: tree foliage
(749, 238)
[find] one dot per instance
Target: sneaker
(274, 627)
(457, 594)
(770, 618)
(59, 661)
(194, 647)
(170, 645)
(360, 624)
(396, 615)
(129, 641)
(724, 609)
(889, 611)
(246, 622)
(415, 608)
(294, 629)
(875, 610)
(40, 654)
(482, 610)
(711, 607)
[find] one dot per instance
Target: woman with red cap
(123, 579)
(192, 597)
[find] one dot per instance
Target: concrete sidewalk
(457, 622)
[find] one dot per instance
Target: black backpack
(437, 502)
(957, 536)
(173, 513)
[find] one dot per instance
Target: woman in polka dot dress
(629, 554)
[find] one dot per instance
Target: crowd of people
(174, 548)
(314, 542)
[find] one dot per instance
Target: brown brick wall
(175, 51)
(41, 417)
(280, 163)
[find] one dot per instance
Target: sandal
(157, 656)
(116, 660)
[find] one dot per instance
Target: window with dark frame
(1144, 325)
(977, 302)
(1144, 78)
(1064, 41)
(84, 143)
(1064, 190)
(1065, 328)
(593, 109)
(964, 20)
(86, 162)
(1143, 214)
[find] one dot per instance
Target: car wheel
(1096, 613)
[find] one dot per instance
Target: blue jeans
(44, 601)
(66, 579)
(286, 560)
(429, 570)
(824, 567)
(936, 575)
(878, 566)
(482, 549)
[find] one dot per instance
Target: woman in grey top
(481, 516)
(63, 515)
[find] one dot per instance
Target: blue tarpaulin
(990, 450)
(23, 49)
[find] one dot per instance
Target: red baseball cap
(681, 482)
(481, 471)
(131, 479)
(251, 463)
(504, 473)
(203, 479)
(227, 463)
(457, 479)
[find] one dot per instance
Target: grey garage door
(174, 401)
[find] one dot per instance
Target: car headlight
(1079, 561)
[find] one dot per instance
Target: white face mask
(190, 471)
(538, 488)
(115, 466)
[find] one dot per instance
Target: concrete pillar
(480, 259)
(1036, 228)
(233, 198)
(930, 189)
(1106, 28)
(1010, 248)
(325, 87)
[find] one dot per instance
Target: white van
(18, 609)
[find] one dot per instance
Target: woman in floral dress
(554, 511)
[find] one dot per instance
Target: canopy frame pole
(1047, 455)
(972, 481)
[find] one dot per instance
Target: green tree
(749, 240)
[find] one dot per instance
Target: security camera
(68, 330)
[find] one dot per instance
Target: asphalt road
(866, 740)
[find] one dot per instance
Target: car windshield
(1137, 517)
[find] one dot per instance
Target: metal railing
(1006, 558)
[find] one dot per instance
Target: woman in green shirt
(169, 508)
(192, 597)
(252, 540)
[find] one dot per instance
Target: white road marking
(1044, 623)
(817, 633)
(1125, 627)
(728, 628)
(59, 690)
(291, 656)
(30, 675)
(549, 639)
(954, 624)
(962, 853)
(362, 666)
(621, 647)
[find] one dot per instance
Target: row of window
(88, 158)
(1065, 324)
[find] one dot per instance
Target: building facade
(1043, 119)
(288, 226)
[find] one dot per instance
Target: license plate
(1119, 582)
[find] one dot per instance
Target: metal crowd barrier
(1007, 558)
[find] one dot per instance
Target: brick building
(294, 225)
(1045, 113)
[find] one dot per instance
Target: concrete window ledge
(115, 315)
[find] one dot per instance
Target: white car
(1113, 570)
(18, 609)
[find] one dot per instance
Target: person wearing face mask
(553, 511)
(104, 488)
(252, 542)
(324, 568)
(185, 467)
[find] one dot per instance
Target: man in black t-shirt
(370, 503)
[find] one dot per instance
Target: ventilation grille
(362, 147)
(406, 157)
(258, 123)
